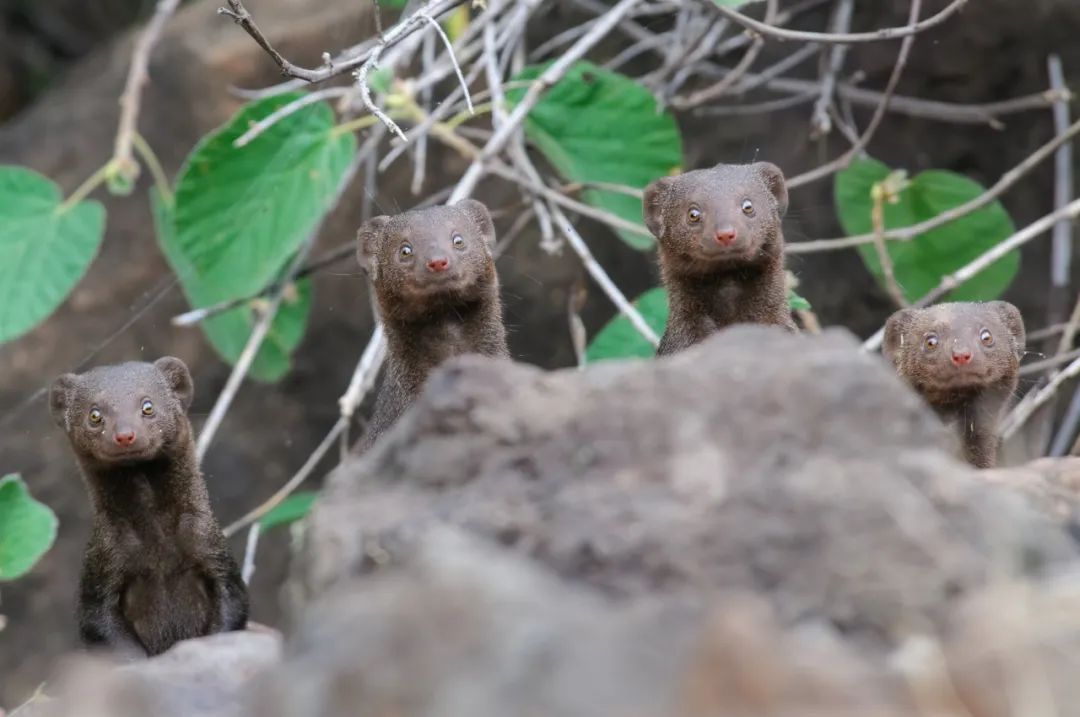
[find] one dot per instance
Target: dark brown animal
(157, 569)
(434, 279)
(721, 249)
(964, 360)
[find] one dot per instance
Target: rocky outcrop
(208, 677)
(793, 467)
(467, 629)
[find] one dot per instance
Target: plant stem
(96, 180)
(151, 159)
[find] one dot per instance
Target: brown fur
(970, 397)
(711, 285)
(156, 569)
(430, 316)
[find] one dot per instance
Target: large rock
(797, 468)
(469, 630)
(207, 677)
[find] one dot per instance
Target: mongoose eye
(694, 215)
(931, 341)
(986, 337)
(458, 241)
(147, 408)
(406, 250)
(748, 207)
(95, 416)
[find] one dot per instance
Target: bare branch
(887, 33)
(262, 328)
(453, 60)
(820, 122)
(335, 67)
(971, 269)
(549, 77)
(601, 277)
(131, 98)
(879, 114)
(293, 483)
(1006, 181)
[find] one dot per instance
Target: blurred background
(62, 67)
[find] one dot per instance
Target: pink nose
(961, 358)
(437, 265)
(125, 439)
(725, 236)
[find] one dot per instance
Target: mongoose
(156, 569)
(433, 276)
(721, 249)
(963, 359)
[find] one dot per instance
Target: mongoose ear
(60, 393)
(895, 328)
(367, 242)
(774, 180)
(657, 196)
(1014, 322)
(178, 378)
(479, 215)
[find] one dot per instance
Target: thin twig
(972, 268)
(293, 483)
(262, 326)
(366, 370)
(879, 114)
(880, 193)
(1061, 242)
(249, 554)
(131, 98)
(339, 65)
(886, 33)
(240, 369)
(453, 60)
(820, 122)
(1023, 411)
(295, 106)
(1006, 181)
(549, 77)
(601, 277)
(1036, 367)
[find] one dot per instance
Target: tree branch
(333, 68)
(887, 33)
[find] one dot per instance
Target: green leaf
(921, 263)
(27, 528)
(228, 332)
(796, 302)
(242, 212)
(45, 248)
(381, 79)
(599, 126)
(619, 339)
(457, 22)
(293, 508)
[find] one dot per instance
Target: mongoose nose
(725, 236)
(961, 358)
(438, 264)
(125, 438)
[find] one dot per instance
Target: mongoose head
(125, 413)
(726, 215)
(956, 346)
(425, 258)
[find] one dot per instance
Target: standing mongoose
(721, 249)
(156, 569)
(964, 360)
(433, 275)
